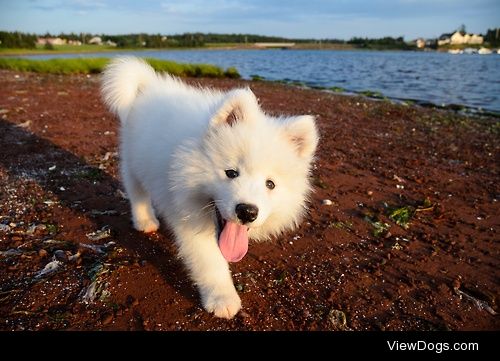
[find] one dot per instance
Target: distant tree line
(17, 40)
(156, 40)
(381, 43)
(492, 37)
(22, 40)
(193, 40)
(142, 40)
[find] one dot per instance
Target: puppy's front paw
(147, 225)
(224, 305)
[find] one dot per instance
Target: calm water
(439, 78)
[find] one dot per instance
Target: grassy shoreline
(96, 65)
(376, 95)
(83, 49)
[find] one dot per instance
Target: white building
(420, 43)
(96, 40)
(52, 41)
(468, 39)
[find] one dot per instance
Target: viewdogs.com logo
(437, 347)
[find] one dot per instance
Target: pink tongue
(233, 241)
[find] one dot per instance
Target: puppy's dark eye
(231, 173)
(270, 184)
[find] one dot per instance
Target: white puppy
(213, 165)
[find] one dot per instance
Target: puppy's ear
(302, 133)
(238, 106)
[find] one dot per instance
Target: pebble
(337, 318)
(327, 202)
(104, 232)
(42, 253)
(60, 255)
(75, 257)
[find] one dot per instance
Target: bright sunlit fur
(176, 143)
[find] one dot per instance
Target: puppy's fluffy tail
(122, 80)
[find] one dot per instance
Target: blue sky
(291, 18)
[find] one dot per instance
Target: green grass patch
(408, 102)
(402, 215)
(426, 204)
(318, 87)
(342, 225)
(51, 228)
(232, 73)
(97, 65)
(256, 77)
(379, 228)
(337, 89)
(55, 66)
(372, 94)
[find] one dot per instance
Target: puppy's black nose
(246, 212)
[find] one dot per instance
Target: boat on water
(455, 51)
(470, 51)
(484, 51)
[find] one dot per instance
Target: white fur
(176, 143)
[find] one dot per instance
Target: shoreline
(378, 96)
(372, 94)
(97, 50)
(30, 52)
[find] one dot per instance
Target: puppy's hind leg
(140, 202)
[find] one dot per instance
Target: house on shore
(460, 38)
(444, 39)
(51, 41)
(96, 40)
